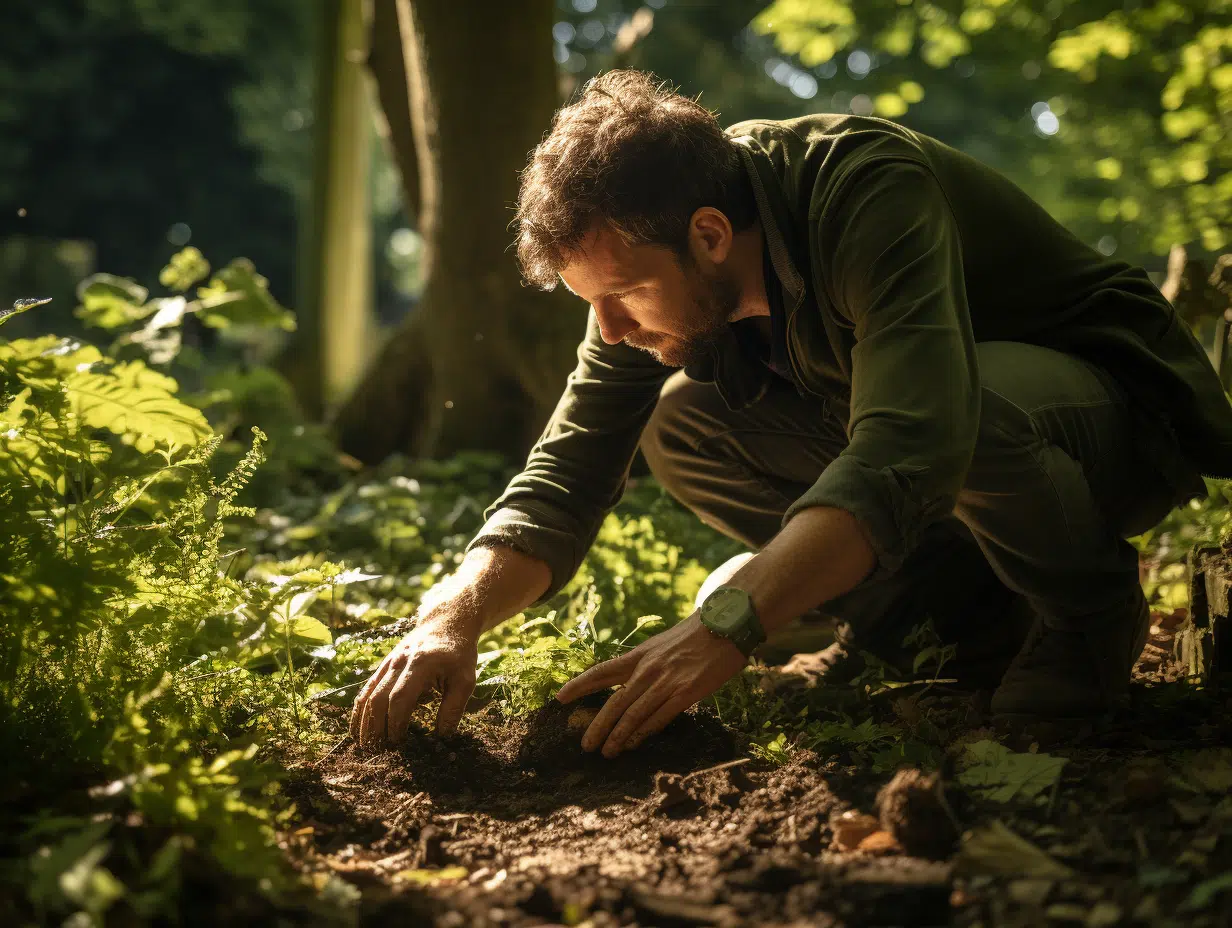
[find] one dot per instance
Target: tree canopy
(1127, 106)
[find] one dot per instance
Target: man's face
(649, 298)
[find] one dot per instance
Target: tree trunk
(387, 62)
(481, 361)
(332, 301)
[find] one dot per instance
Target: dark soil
(511, 823)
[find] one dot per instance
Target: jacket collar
(739, 376)
(776, 220)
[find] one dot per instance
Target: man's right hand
(439, 654)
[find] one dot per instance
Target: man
(867, 356)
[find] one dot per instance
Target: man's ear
(710, 235)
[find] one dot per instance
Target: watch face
(726, 608)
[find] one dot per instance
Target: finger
(361, 701)
(458, 689)
(659, 720)
(372, 728)
(634, 717)
(364, 707)
(403, 699)
(612, 711)
(600, 677)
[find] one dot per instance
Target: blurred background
(363, 154)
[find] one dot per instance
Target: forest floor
(509, 822)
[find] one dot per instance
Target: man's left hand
(661, 678)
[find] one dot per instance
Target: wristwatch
(728, 612)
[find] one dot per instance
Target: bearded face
(652, 298)
(698, 323)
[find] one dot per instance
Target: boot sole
(1054, 729)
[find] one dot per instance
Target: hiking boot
(987, 643)
(984, 653)
(1079, 671)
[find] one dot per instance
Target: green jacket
(896, 254)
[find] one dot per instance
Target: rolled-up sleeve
(577, 471)
(892, 261)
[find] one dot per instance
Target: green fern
(133, 401)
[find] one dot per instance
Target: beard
(715, 300)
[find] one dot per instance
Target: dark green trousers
(1056, 485)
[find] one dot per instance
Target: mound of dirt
(525, 764)
(552, 743)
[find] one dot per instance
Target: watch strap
(746, 635)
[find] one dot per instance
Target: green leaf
(301, 601)
(19, 307)
(908, 753)
(534, 623)
(131, 399)
(999, 774)
(1205, 892)
(649, 621)
(353, 575)
(111, 302)
(922, 657)
(305, 630)
(185, 269)
(238, 295)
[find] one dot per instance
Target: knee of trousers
(1034, 504)
(1014, 471)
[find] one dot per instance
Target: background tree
(482, 359)
(335, 273)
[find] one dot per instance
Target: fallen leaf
(1152, 877)
(1066, 912)
(1191, 858)
(1147, 910)
(1030, 891)
(431, 877)
(1209, 770)
(995, 849)
(1103, 915)
(1205, 843)
(1189, 813)
(999, 774)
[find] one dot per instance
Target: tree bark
(387, 62)
(482, 360)
(334, 286)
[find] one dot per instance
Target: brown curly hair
(633, 153)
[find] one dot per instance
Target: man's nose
(613, 326)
